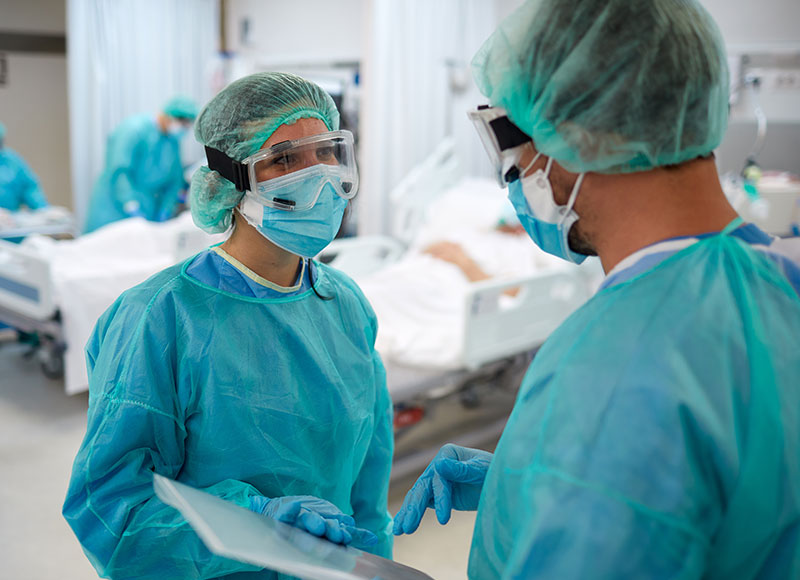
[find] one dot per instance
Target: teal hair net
(181, 108)
(237, 122)
(611, 86)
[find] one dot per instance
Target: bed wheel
(52, 362)
(53, 367)
(469, 397)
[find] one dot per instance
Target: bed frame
(497, 326)
(501, 333)
(27, 297)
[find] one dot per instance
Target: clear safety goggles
(276, 175)
(502, 139)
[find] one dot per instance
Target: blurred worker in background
(18, 185)
(143, 175)
(657, 432)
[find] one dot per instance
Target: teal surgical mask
(546, 222)
(302, 232)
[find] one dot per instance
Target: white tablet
(239, 534)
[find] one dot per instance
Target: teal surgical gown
(198, 375)
(142, 177)
(18, 184)
(657, 432)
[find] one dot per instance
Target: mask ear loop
(548, 167)
(572, 197)
(531, 164)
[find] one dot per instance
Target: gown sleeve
(125, 151)
(174, 191)
(31, 192)
(369, 496)
(136, 427)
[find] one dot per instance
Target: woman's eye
(276, 167)
(325, 154)
(284, 161)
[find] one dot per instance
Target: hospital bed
(469, 343)
(56, 290)
(467, 340)
(53, 221)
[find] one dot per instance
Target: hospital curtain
(126, 57)
(417, 86)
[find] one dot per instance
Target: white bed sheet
(420, 300)
(90, 272)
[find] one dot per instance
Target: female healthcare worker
(249, 370)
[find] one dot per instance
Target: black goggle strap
(230, 169)
(507, 133)
(508, 137)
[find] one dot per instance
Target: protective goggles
(502, 139)
(277, 176)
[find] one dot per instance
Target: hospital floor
(40, 431)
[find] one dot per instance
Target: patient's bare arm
(455, 254)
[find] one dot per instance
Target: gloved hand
(453, 480)
(316, 516)
(133, 208)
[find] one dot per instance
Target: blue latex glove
(453, 480)
(316, 516)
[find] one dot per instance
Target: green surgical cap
(181, 108)
(237, 122)
(611, 86)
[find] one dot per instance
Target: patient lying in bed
(420, 300)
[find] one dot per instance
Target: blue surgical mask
(304, 232)
(546, 222)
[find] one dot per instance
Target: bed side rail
(361, 255)
(25, 284)
(413, 195)
(498, 325)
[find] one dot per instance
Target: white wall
(762, 26)
(298, 31)
(33, 104)
(771, 22)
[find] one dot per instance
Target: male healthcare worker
(143, 175)
(657, 432)
(18, 185)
